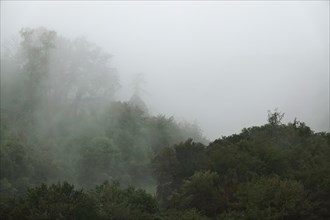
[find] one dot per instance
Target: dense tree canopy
(67, 142)
(274, 171)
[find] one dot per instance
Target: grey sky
(222, 64)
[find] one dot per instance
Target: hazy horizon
(221, 64)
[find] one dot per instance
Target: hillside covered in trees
(60, 119)
(71, 150)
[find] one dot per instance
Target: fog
(219, 64)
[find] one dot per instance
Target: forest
(69, 149)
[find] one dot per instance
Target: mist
(219, 64)
(164, 110)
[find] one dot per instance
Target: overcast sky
(221, 64)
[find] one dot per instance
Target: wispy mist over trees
(60, 119)
(70, 149)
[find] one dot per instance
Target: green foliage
(59, 119)
(13, 158)
(58, 201)
(59, 122)
(7, 195)
(21, 165)
(172, 165)
(191, 156)
(271, 198)
(201, 191)
(98, 161)
(112, 202)
(274, 171)
(275, 118)
(166, 167)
